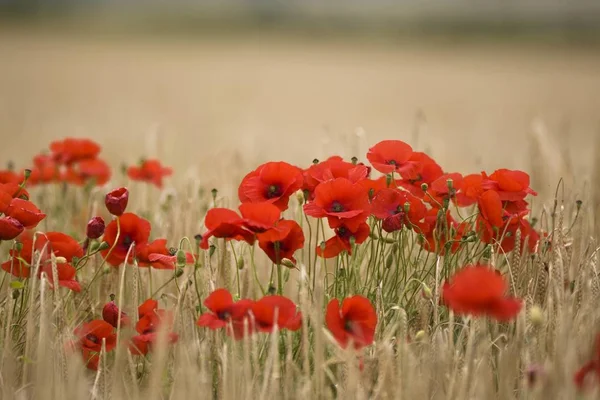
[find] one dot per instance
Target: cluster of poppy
(17, 213)
(91, 335)
(414, 192)
(76, 161)
(354, 321)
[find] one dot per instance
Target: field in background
(206, 104)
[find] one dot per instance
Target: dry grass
(204, 101)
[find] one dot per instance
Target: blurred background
(215, 87)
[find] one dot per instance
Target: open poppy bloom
(52, 243)
(147, 254)
(374, 186)
(13, 190)
(148, 328)
(390, 156)
(510, 185)
(110, 314)
(71, 150)
(82, 172)
(45, 170)
(8, 176)
(227, 224)
(333, 167)
(424, 171)
(341, 241)
(90, 337)
(259, 217)
(134, 230)
(397, 209)
(352, 323)
(443, 189)
(342, 202)
(480, 290)
(25, 212)
(282, 241)
(150, 171)
(273, 182)
(226, 313)
(276, 311)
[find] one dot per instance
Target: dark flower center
(223, 315)
(343, 233)
(127, 240)
(336, 207)
(392, 162)
(273, 191)
(348, 326)
(93, 338)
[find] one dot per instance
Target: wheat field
(213, 110)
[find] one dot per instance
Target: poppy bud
(286, 262)
(198, 238)
(214, 192)
(578, 203)
(536, 316)
(424, 187)
(60, 260)
(315, 161)
(110, 313)
(116, 201)
(388, 180)
(18, 247)
(211, 250)
(178, 272)
(240, 263)
(181, 258)
(354, 160)
(406, 207)
(300, 197)
(103, 246)
(95, 228)
(27, 173)
(427, 294)
(420, 336)
(450, 184)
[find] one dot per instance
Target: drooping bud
(536, 316)
(116, 201)
(426, 293)
(300, 197)
(95, 228)
(286, 262)
(103, 246)
(178, 272)
(240, 263)
(181, 258)
(110, 313)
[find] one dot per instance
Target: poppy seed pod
(116, 201)
(95, 228)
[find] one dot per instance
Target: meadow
(247, 263)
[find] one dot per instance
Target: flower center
(93, 338)
(223, 315)
(349, 326)
(337, 207)
(392, 162)
(273, 191)
(127, 240)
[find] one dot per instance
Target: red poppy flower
(45, 170)
(480, 290)
(390, 156)
(91, 335)
(150, 171)
(14, 190)
(259, 217)
(26, 212)
(116, 201)
(133, 230)
(490, 208)
(442, 190)
(225, 223)
(91, 359)
(10, 228)
(590, 367)
(273, 182)
(65, 274)
(470, 190)
(225, 313)
(397, 208)
(71, 150)
(341, 241)
(332, 168)
(56, 243)
(354, 322)
(510, 185)
(110, 313)
(282, 241)
(82, 172)
(147, 255)
(148, 328)
(373, 186)
(8, 176)
(272, 311)
(425, 170)
(342, 202)
(443, 234)
(95, 228)
(147, 307)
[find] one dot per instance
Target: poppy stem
(237, 271)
